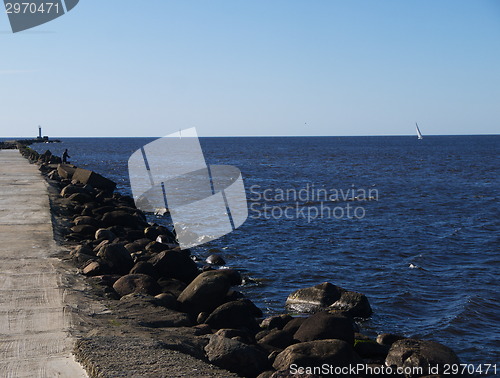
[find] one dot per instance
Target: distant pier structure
(39, 137)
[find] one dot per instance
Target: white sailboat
(419, 134)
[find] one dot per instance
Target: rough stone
(236, 356)
(323, 325)
(328, 296)
(117, 257)
(236, 314)
(421, 353)
(205, 293)
(175, 264)
(333, 352)
(136, 283)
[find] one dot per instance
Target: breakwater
(35, 325)
(121, 250)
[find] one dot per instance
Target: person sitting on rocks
(65, 156)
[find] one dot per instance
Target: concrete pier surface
(34, 322)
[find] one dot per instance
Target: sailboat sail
(419, 134)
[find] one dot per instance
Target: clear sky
(271, 67)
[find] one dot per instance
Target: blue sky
(148, 68)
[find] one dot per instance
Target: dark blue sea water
(426, 253)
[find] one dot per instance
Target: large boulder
(327, 296)
(172, 286)
(333, 352)
(144, 267)
(175, 264)
(84, 176)
(116, 257)
(235, 314)
(80, 197)
(72, 189)
(236, 356)
(277, 339)
(122, 218)
(136, 283)
(411, 353)
(205, 293)
(104, 234)
(276, 321)
(323, 325)
(137, 245)
(85, 230)
(81, 220)
(293, 325)
(66, 171)
(215, 260)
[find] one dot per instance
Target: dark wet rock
(236, 314)
(367, 348)
(388, 338)
(119, 231)
(293, 325)
(144, 267)
(215, 260)
(234, 295)
(132, 235)
(233, 275)
(122, 218)
(84, 230)
(99, 244)
(171, 285)
(82, 249)
(81, 220)
(326, 296)
(106, 279)
(175, 264)
(236, 356)
(202, 317)
(80, 197)
(167, 300)
(82, 259)
(151, 233)
(316, 353)
(323, 325)
(137, 245)
(95, 268)
(155, 247)
(72, 189)
(104, 234)
(117, 257)
(231, 333)
(202, 329)
(166, 238)
(422, 353)
(101, 210)
(136, 283)
(277, 339)
(205, 293)
(276, 321)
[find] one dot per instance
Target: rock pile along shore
(192, 306)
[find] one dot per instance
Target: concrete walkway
(34, 338)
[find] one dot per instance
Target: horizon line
(261, 136)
